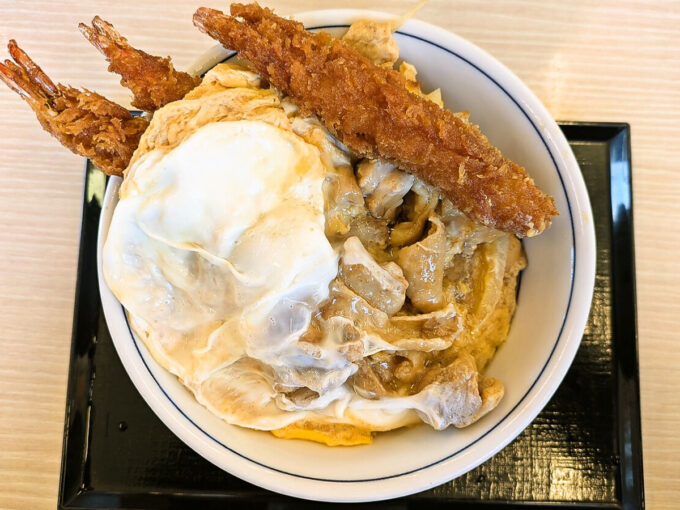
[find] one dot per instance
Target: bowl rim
(546, 383)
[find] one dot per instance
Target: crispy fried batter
(153, 80)
(369, 109)
(83, 121)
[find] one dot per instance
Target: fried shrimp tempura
(153, 80)
(85, 122)
(369, 109)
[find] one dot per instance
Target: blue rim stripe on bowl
(557, 341)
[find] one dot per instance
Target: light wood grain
(609, 60)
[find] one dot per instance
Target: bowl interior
(542, 341)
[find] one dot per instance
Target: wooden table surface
(597, 61)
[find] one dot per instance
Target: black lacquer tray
(582, 451)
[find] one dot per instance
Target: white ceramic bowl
(554, 300)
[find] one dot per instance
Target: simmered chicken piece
(383, 287)
(371, 172)
(317, 380)
(346, 213)
(344, 201)
(389, 195)
(423, 265)
(418, 206)
(383, 186)
(453, 394)
(463, 234)
(344, 302)
(427, 332)
(456, 389)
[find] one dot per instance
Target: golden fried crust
(153, 80)
(85, 122)
(369, 109)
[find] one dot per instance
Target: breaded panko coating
(153, 81)
(369, 109)
(85, 122)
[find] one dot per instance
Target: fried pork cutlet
(85, 122)
(369, 109)
(153, 80)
